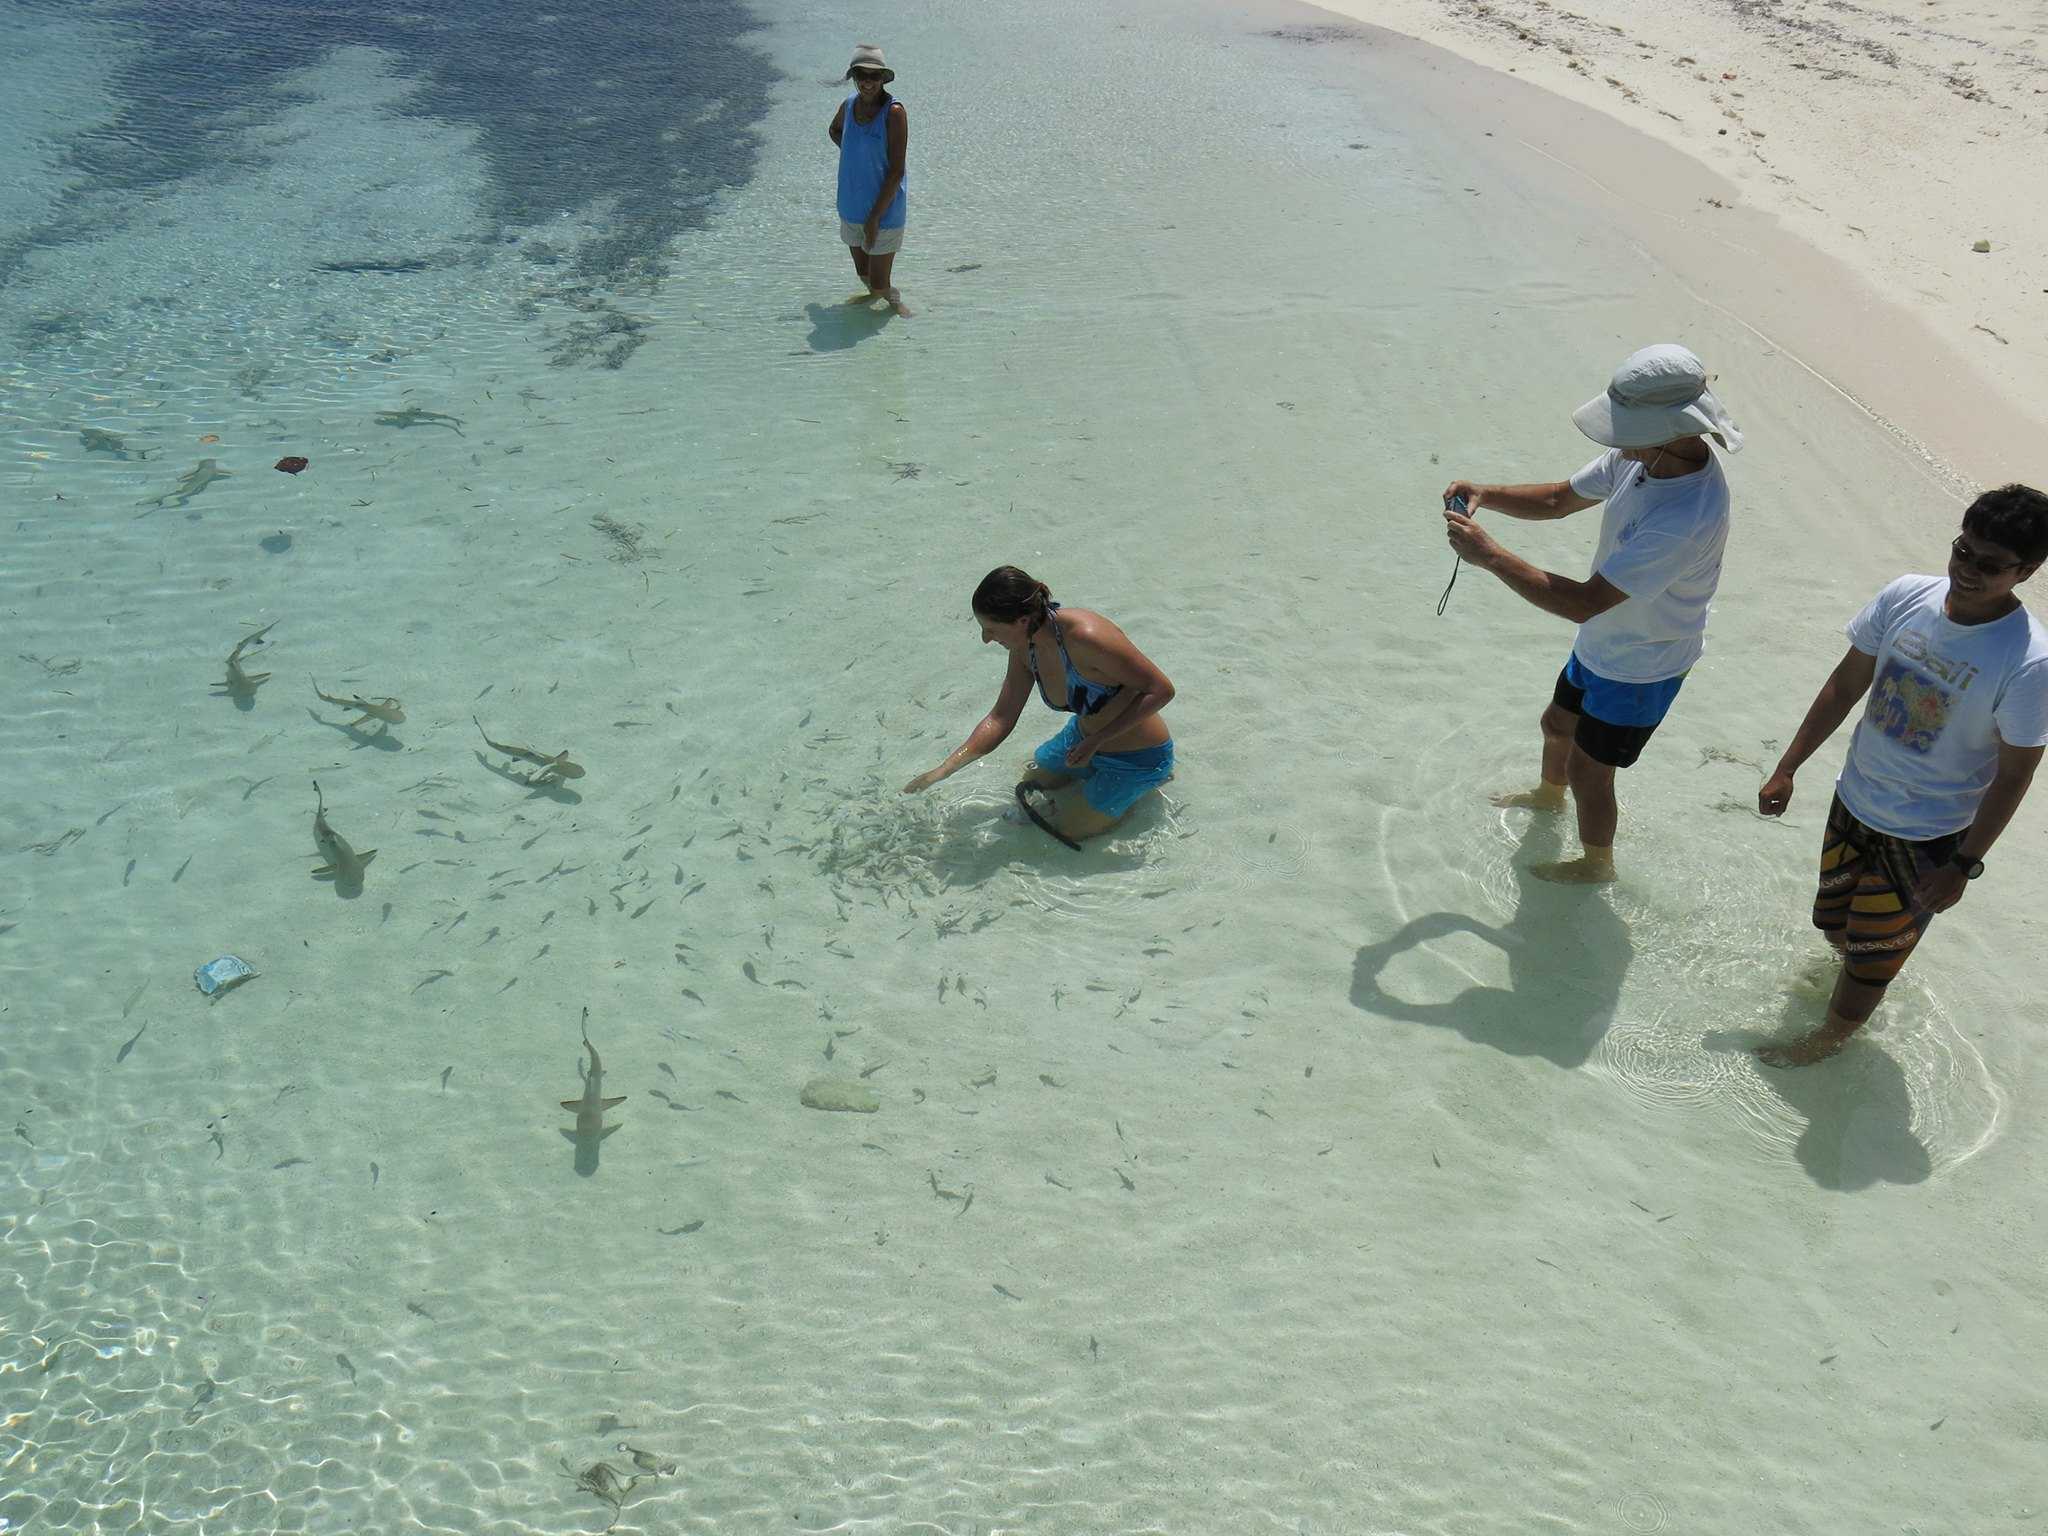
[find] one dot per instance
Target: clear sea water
(1291, 1162)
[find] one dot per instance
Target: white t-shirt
(1660, 542)
(1944, 696)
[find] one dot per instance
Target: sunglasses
(867, 74)
(1983, 565)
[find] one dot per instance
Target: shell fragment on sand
(221, 975)
(840, 1093)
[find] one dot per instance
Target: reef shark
(195, 480)
(99, 440)
(413, 416)
(344, 865)
(590, 1127)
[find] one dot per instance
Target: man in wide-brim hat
(1642, 613)
(873, 134)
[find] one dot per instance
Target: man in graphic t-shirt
(1957, 674)
(1642, 612)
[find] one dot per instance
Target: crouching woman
(1116, 746)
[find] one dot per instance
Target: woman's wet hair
(1007, 594)
(2014, 517)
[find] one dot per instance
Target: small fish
(375, 1174)
(181, 870)
(647, 1461)
(1124, 1179)
(1047, 1079)
(122, 1054)
(1056, 1184)
(291, 1162)
(415, 1308)
(688, 1226)
(1003, 1290)
(671, 1071)
(347, 1365)
(446, 1073)
(867, 1072)
(1094, 1349)
(726, 1093)
(430, 978)
(200, 1399)
(747, 970)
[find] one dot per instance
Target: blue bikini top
(1083, 697)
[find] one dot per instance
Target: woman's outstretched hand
(922, 782)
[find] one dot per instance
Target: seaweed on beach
(1320, 33)
(605, 340)
(628, 540)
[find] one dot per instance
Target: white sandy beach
(1892, 137)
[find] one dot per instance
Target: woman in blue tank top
(1080, 663)
(873, 134)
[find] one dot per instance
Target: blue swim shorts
(1616, 720)
(1111, 782)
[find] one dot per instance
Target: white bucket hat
(868, 56)
(1658, 395)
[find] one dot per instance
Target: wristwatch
(1970, 867)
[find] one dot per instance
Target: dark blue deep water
(575, 102)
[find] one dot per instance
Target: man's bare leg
(1592, 785)
(1849, 1009)
(1548, 795)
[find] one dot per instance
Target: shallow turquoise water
(1293, 1162)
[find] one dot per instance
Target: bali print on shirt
(1917, 691)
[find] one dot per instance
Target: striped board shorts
(1868, 881)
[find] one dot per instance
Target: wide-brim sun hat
(868, 56)
(1658, 395)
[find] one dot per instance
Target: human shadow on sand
(1856, 1104)
(1567, 951)
(835, 327)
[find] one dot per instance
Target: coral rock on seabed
(292, 464)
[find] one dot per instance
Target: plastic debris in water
(222, 974)
(291, 464)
